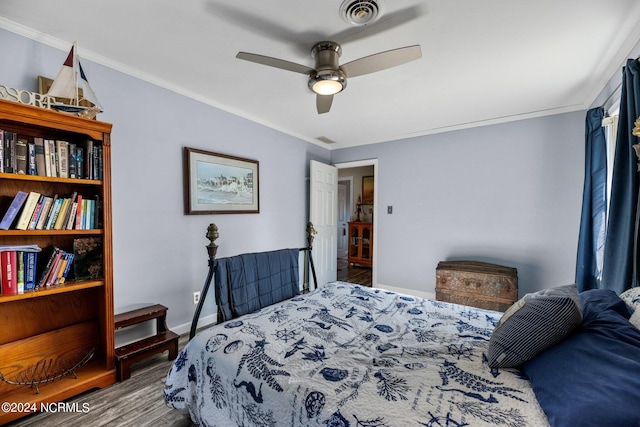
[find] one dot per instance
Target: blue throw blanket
(246, 283)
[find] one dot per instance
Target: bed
(347, 355)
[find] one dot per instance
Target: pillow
(632, 298)
(591, 378)
(533, 324)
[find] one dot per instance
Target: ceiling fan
(329, 77)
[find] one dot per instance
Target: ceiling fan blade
(387, 22)
(323, 103)
(382, 61)
(274, 62)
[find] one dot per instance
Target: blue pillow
(592, 378)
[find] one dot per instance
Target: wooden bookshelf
(64, 321)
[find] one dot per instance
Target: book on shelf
(73, 163)
(50, 157)
(62, 157)
(80, 161)
(39, 153)
(21, 156)
(1, 150)
(36, 213)
(78, 219)
(31, 159)
(17, 268)
(50, 272)
(55, 211)
(8, 273)
(9, 151)
(57, 268)
(92, 155)
(64, 208)
(44, 214)
(30, 264)
(47, 157)
(71, 218)
(27, 211)
(87, 258)
(53, 164)
(68, 211)
(91, 206)
(12, 212)
(63, 270)
(26, 271)
(20, 272)
(88, 155)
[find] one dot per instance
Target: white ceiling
(484, 61)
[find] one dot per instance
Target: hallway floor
(353, 273)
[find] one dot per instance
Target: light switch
(389, 210)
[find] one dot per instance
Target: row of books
(18, 269)
(35, 211)
(19, 264)
(49, 157)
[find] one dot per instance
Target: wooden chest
(477, 284)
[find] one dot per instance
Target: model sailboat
(67, 84)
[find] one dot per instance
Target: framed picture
(367, 190)
(219, 184)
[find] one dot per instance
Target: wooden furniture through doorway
(360, 243)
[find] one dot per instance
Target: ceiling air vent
(361, 12)
(325, 140)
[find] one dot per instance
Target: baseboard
(204, 322)
(421, 294)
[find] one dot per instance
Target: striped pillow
(533, 324)
(632, 298)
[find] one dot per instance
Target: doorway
(350, 180)
(344, 214)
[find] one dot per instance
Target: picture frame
(216, 183)
(367, 190)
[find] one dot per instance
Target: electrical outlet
(196, 297)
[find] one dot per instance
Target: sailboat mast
(75, 71)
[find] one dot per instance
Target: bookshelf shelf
(38, 178)
(57, 289)
(34, 233)
(90, 376)
(57, 321)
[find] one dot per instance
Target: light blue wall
(159, 253)
(508, 194)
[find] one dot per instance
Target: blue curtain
(620, 255)
(594, 204)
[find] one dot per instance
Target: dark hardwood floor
(354, 273)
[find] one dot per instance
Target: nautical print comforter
(345, 355)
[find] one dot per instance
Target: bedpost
(308, 259)
(212, 249)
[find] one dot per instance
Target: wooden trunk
(477, 284)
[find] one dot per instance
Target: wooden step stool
(164, 339)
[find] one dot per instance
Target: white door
(342, 221)
(323, 212)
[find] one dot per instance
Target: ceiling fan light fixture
(328, 83)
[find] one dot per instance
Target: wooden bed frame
(212, 249)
